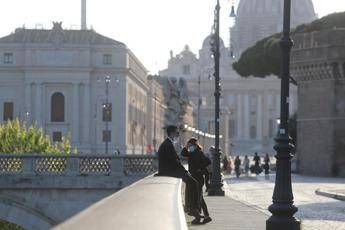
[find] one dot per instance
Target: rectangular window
(57, 136)
(253, 132)
(107, 59)
(186, 69)
(107, 112)
(8, 111)
(8, 58)
(106, 136)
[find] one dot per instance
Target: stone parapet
(158, 207)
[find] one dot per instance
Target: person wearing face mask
(169, 164)
(197, 163)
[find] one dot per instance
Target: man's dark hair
(171, 129)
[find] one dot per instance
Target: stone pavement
(228, 214)
(316, 212)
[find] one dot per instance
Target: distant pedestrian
(117, 152)
(237, 166)
(208, 174)
(257, 164)
(267, 166)
(225, 163)
(246, 165)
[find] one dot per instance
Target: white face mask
(174, 139)
(191, 148)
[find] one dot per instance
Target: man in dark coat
(169, 164)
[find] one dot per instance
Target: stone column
(38, 112)
(87, 112)
(265, 120)
(246, 116)
(239, 117)
(259, 117)
(277, 101)
(75, 114)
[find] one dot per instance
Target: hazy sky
(150, 28)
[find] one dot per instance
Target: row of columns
(80, 108)
(263, 115)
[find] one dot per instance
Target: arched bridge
(39, 191)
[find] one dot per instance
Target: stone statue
(176, 99)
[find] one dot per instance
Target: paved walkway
(316, 212)
(228, 214)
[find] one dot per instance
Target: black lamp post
(107, 113)
(154, 124)
(282, 208)
(199, 102)
(216, 181)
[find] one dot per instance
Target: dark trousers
(204, 206)
(192, 196)
(208, 177)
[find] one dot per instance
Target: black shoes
(197, 221)
(206, 220)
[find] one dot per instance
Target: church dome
(257, 19)
(207, 42)
(301, 10)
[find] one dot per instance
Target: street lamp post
(107, 81)
(154, 125)
(199, 102)
(216, 182)
(282, 208)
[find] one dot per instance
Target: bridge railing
(75, 164)
(153, 203)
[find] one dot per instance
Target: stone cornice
(319, 56)
(318, 71)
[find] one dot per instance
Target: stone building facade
(251, 105)
(318, 65)
(56, 78)
(156, 109)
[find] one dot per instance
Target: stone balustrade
(28, 164)
(36, 170)
(153, 203)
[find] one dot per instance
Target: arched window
(57, 112)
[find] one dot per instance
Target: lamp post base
(282, 217)
(282, 223)
(216, 192)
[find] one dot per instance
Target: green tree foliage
(261, 60)
(16, 137)
(9, 226)
(264, 58)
